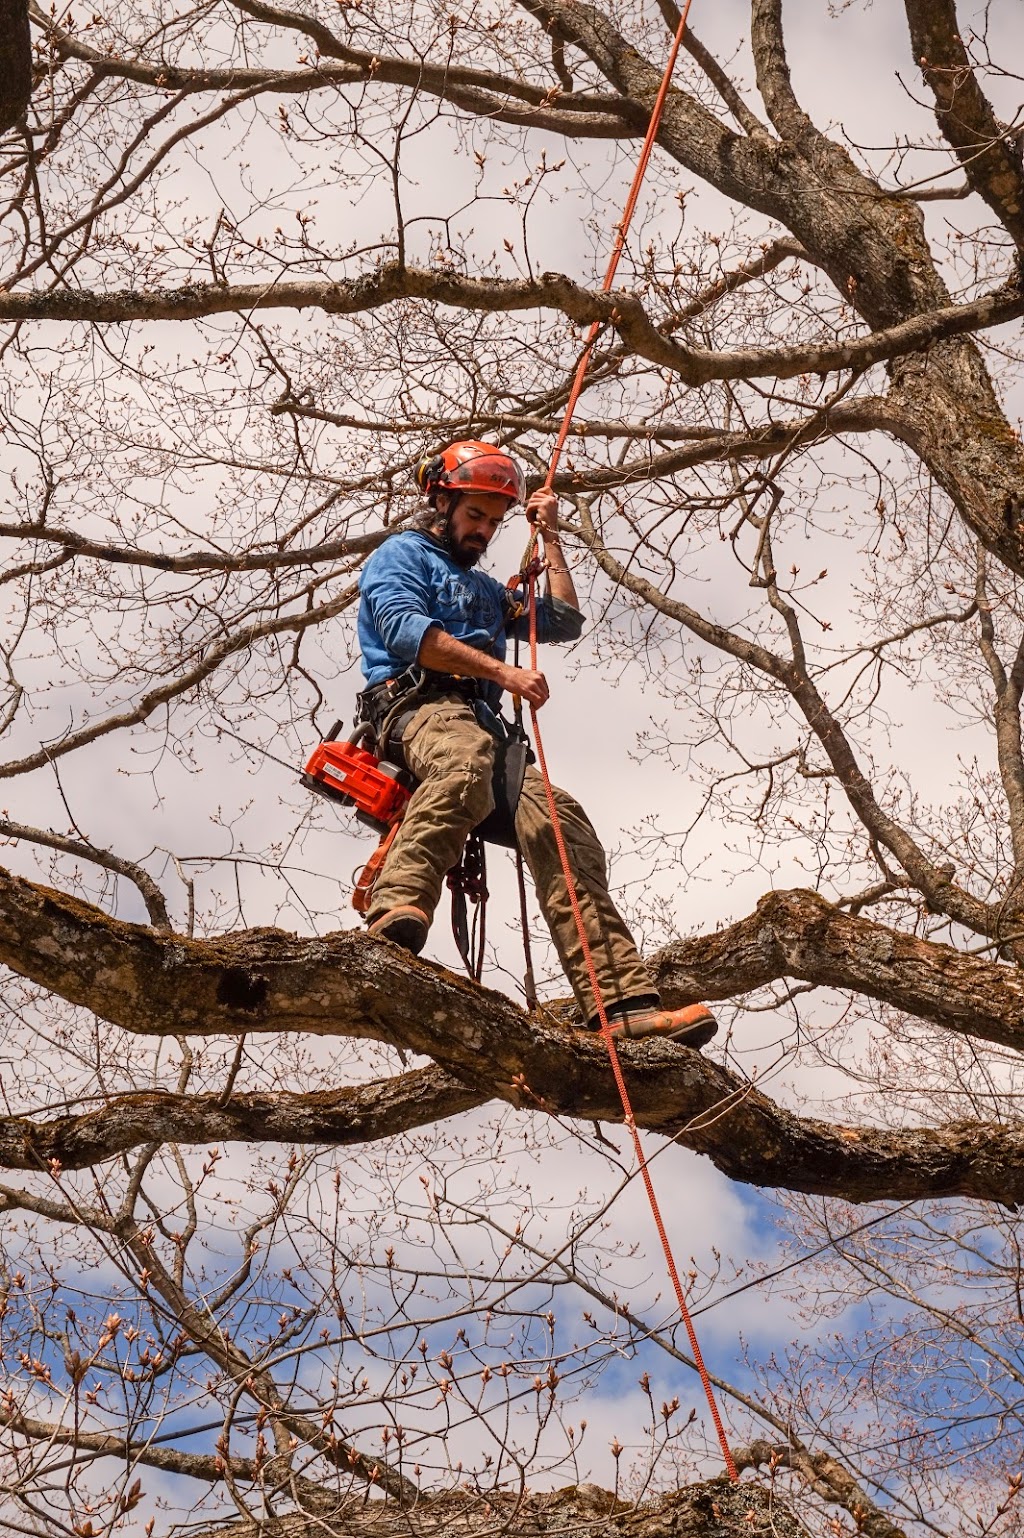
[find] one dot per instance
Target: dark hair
(429, 519)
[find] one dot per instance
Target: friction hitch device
(350, 775)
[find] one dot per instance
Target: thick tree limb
(15, 62)
(714, 1509)
(990, 156)
(1008, 690)
(361, 1113)
(826, 1476)
(773, 79)
(349, 985)
(554, 291)
(798, 934)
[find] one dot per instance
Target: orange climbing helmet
(471, 466)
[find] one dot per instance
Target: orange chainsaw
(347, 773)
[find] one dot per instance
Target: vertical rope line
(618, 246)
(616, 1066)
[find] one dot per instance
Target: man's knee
(533, 829)
(478, 791)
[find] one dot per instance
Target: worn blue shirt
(411, 583)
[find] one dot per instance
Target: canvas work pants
(453, 759)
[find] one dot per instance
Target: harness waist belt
(379, 699)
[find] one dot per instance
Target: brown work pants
(453, 759)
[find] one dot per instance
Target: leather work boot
(632, 1020)
(405, 926)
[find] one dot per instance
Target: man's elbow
(404, 637)
(566, 623)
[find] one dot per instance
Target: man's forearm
(542, 511)
(444, 654)
(560, 583)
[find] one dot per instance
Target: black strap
(467, 882)
(510, 760)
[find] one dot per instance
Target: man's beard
(461, 551)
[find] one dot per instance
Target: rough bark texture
(349, 985)
(714, 1509)
(15, 62)
(990, 156)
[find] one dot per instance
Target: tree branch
(705, 59)
(15, 62)
(701, 446)
(989, 154)
(482, 93)
(144, 707)
(773, 78)
(73, 543)
(553, 291)
(150, 892)
(578, 1511)
(339, 1118)
(1007, 690)
(935, 882)
(825, 1475)
(347, 984)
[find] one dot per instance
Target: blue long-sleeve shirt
(411, 583)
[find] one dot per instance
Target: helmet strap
(442, 521)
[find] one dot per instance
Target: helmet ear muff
(428, 473)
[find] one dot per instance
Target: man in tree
(424, 605)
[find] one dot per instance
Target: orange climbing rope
(619, 243)
(616, 1066)
(532, 569)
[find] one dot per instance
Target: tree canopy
(258, 262)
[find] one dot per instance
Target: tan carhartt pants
(453, 758)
